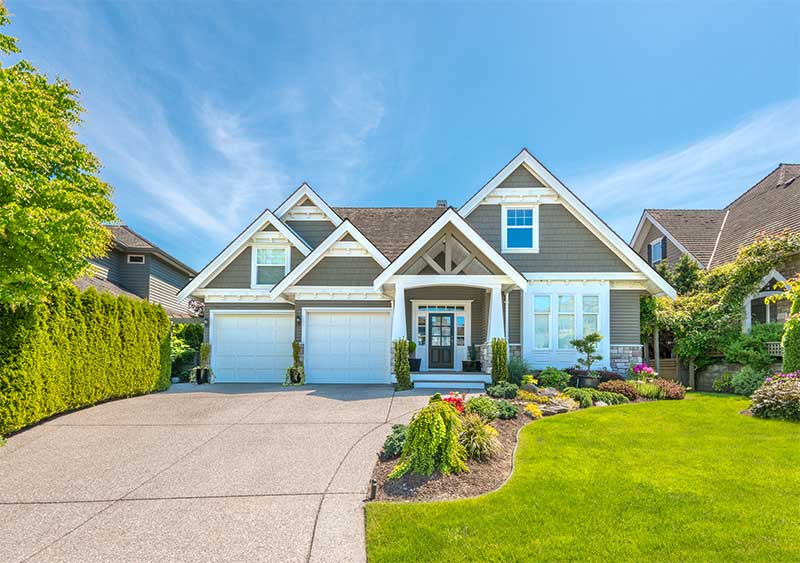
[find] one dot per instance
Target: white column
(496, 329)
(399, 313)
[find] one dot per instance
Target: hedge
(791, 340)
(76, 350)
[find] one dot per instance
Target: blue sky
(205, 113)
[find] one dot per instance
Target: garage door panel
(252, 348)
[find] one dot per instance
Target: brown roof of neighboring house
(391, 229)
(103, 286)
(695, 229)
(131, 241)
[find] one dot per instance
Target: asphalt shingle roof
(695, 229)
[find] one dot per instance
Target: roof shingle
(695, 229)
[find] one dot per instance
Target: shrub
(586, 397)
(432, 442)
(671, 390)
(747, 380)
(393, 445)
(791, 339)
(483, 406)
(603, 374)
(747, 350)
(503, 390)
(588, 347)
(296, 373)
(529, 397)
(517, 368)
(528, 379)
(76, 350)
(533, 411)
(724, 383)
(499, 360)
(506, 410)
(621, 387)
(641, 371)
(648, 390)
(402, 367)
(779, 399)
(412, 348)
(478, 438)
(554, 377)
(455, 399)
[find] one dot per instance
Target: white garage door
(347, 347)
(251, 348)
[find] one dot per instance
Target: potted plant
(588, 347)
(202, 373)
(473, 364)
(295, 374)
(414, 362)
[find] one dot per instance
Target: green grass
(668, 481)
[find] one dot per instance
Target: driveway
(211, 473)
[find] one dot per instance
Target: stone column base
(625, 356)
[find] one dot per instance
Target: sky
(205, 113)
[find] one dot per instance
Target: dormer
(308, 215)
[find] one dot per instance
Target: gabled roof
(452, 217)
(128, 240)
(306, 192)
(230, 251)
(344, 228)
(693, 231)
(391, 229)
(579, 209)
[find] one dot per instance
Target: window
(460, 323)
(566, 321)
(656, 254)
(519, 226)
(591, 314)
(135, 258)
(422, 331)
(271, 265)
(541, 322)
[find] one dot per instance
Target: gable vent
(441, 203)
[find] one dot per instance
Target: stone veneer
(622, 357)
(485, 355)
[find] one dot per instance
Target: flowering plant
(641, 371)
(794, 376)
(529, 380)
(455, 399)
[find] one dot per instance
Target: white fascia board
(664, 232)
(306, 191)
(235, 247)
(586, 276)
(451, 217)
(346, 227)
(579, 209)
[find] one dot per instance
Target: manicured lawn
(670, 481)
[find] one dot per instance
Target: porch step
(448, 385)
(450, 380)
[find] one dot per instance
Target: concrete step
(449, 385)
(452, 376)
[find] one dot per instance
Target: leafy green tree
(685, 275)
(588, 347)
(52, 202)
(791, 329)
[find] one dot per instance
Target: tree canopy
(52, 200)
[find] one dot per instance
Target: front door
(441, 341)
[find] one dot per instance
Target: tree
(685, 275)
(52, 202)
(791, 329)
(588, 347)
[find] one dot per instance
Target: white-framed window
(135, 258)
(542, 308)
(566, 321)
(270, 265)
(461, 324)
(656, 251)
(591, 313)
(520, 228)
(422, 329)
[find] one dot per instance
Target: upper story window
(270, 265)
(520, 228)
(656, 251)
(135, 258)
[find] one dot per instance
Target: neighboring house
(713, 237)
(524, 259)
(135, 267)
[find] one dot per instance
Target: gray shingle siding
(624, 305)
(236, 275)
(165, 282)
(109, 267)
(313, 232)
(514, 316)
(565, 244)
(342, 271)
(651, 232)
(300, 305)
(452, 293)
(521, 178)
(136, 277)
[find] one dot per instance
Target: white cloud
(709, 173)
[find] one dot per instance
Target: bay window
(566, 321)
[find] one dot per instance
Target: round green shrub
(724, 383)
(393, 446)
(778, 399)
(478, 438)
(503, 390)
(506, 410)
(791, 340)
(553, 377)
(432, 442)
(747, 380)
(483, 406)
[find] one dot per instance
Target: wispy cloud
(708, 173)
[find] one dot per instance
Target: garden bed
(482, 477)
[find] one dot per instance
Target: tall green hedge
(76, 350)
(791, 340)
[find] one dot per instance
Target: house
(712, 237)
(523, 259)
(135, 267)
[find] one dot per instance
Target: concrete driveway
(211, 473)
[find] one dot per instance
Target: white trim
(129, 256)
(319, 292)
(747, 320)
(450, 217)
(305, 191)
(578, 208)
(719, 236)
(534, 249)
(485, 282)
(346, 227)
(307, 310)
(660, 242)
(529, 196)
(664, 232)
(460, 353)
(585, 276)
(234, 248)
(287, 253)
(627, 345)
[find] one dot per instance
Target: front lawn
(683, 481)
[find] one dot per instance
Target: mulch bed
(482, 477)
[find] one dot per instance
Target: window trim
(254, 263)
(534, 207)
(553, 315)
(129, 261)
(652, 244)
(574, 314)
(549, 321)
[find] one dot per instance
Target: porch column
(399, 313)
(496, 329)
